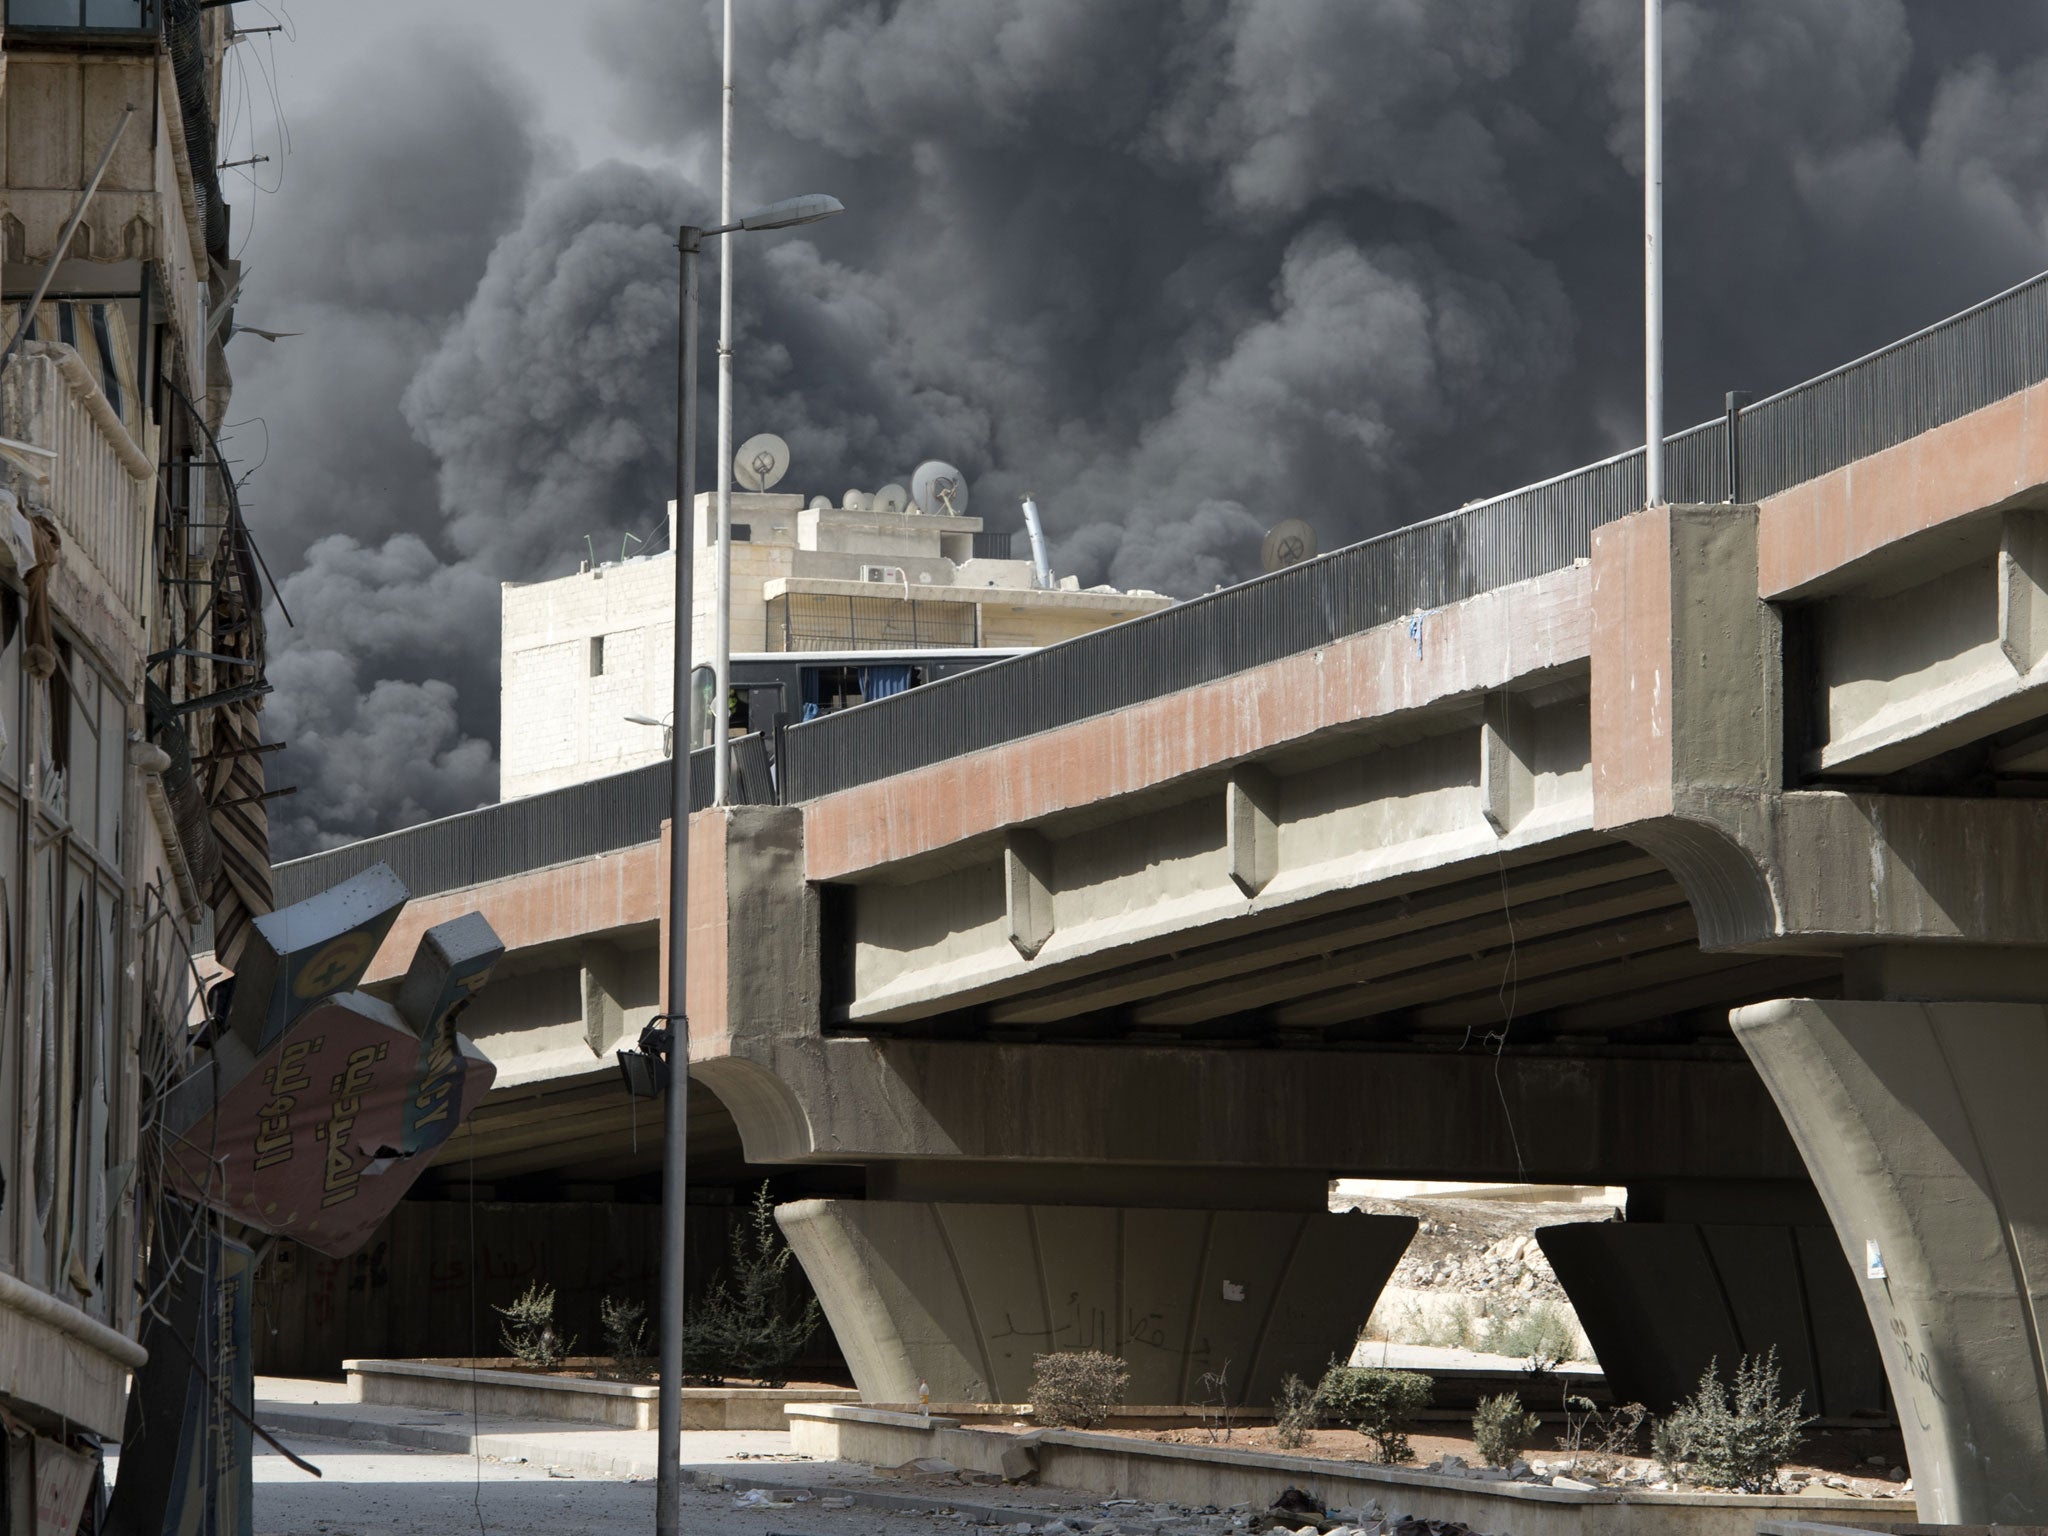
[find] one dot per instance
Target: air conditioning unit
(877, 572)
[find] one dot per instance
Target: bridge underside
(1586, 945)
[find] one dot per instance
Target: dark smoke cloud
(1180, 267)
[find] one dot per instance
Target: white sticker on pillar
(1232, 1291)
(1873, 1260)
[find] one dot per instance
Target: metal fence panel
(1948, 370)
(534, 832)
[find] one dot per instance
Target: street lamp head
(807, 209)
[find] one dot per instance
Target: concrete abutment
(963, 1297)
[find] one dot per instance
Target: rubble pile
(1511, 1266)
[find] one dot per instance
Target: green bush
(1380, 1405)
(748, 1323)
(1739, 1438)
(1501, 1428)
(626, 1336)
(1296, 1411)
(1543, 1333)
(1076, 1388)
(529, 1333)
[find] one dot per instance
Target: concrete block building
(581, 654)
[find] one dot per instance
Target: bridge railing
(1960, 365)
(533, 832)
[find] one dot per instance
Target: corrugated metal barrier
(1963, 364)
(497, 841)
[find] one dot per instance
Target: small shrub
(529, 1333)
(1501, 1428)
(1076, 1388)
(1215, 1404)
(1542, 1334)
(747, 1323)
(1739, 1438)
(1296, 1411)
(1594, 1443)
(626, 1335)
(1379, 1404)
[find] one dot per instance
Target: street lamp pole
(676, 1119)
(721, 644)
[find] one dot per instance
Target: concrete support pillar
(964, 1297)
(1027, 891)
(1921, 1123)
(1252, 828)
(1507, 751)
(2023, 589)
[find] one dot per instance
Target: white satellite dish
(761, 462)
(891, 499)
(821, 503)
(939, 490)
(1286, 544)
(851, 501)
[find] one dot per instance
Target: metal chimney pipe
(1041, 562)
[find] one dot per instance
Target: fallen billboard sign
(311, 1112)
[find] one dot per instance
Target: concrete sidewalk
(325, 1410)
(295, 1409)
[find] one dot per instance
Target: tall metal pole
(675, 1144)
(721, 721)
(1653, 252)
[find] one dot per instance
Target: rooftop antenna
(631, 538)
(1041, 558)
(1287, 543)
(937, 489)
(762, 461)
(589, 549)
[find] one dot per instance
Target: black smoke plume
(1180, 267)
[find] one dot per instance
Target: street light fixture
(792, 211)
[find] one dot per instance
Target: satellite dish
(851, 501)
(939, 490)
(761, 462)
(821, 503)
(1288, 543)
(891, 499)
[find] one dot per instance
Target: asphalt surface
(375, 1490)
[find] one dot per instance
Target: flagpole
(1653, 252)
(721, 722)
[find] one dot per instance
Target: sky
(1181, 268)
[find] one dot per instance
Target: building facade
(131, 672)
(900, 597)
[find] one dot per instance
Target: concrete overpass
(1694, 848)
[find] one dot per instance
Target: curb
(452, 1440)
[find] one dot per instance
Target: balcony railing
(98, 484)
(833, 621)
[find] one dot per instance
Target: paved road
(369, 1490)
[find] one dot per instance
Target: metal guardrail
(516, 836)
(1960, 365)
